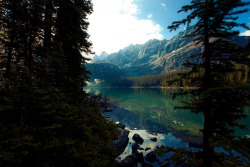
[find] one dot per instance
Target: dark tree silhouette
(220, 102)
(46, 119)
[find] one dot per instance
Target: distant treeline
(172, 79)
(145, 81)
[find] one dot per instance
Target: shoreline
(190, 138)
(137, 87)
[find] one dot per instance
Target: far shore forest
(47, 119)
(165, 80)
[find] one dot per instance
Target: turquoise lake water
(150, 113)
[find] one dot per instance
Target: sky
(115, 24)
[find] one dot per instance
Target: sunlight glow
(246, 33)
(114, 25)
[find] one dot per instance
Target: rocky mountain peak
(156, 56)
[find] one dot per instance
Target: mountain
(157, 56)
(102, 56)
(105, 71)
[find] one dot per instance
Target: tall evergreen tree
(220, 103)
(72, 22)
(45, 117)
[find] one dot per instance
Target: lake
(150, 113)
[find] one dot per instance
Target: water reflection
(152, 109)
(150, 113)
(148, 146)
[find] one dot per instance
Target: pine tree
(220, 103)
(45, 117)
(71, 22)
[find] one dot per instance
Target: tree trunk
(207, 83)
(207, 134)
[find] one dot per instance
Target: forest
(172, 79)
(47, 119)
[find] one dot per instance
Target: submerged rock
(122, 142)
(118, 159)
(151, 157)
(138, 139)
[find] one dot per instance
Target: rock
(138, 139)
(154, 139)
(135, 147)
(118, 159)
(148, 148)
(145, 164)
(138, 157)
(165, 164)
(122, 142)
(195, 145)
(198, 155)
(130, 162)
(133, 159)
(121, 125)
(151, 157)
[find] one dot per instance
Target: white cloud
(113, 26)
(163, 4)
(246, 33)
(149, 16)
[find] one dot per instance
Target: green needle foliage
(218, 99)
(46, 119)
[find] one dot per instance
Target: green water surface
(152, 109)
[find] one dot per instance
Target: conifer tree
(71, 21)
(45, 117)
(220, 103)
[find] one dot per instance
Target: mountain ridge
(157, 56)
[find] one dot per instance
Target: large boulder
(121, 125)
(138, 139)
(135, 147)
(130, 162)
(121, 143)
(151, 157)
(154, 139)
(138, 157)
(133, 159)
